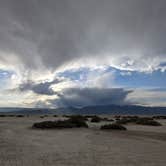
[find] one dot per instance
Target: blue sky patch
(129, 79)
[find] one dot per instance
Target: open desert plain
(22, 145)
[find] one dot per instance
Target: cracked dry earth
(22, 146)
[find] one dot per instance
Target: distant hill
(100, 109)
(123, 110)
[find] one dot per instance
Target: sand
(22, 146)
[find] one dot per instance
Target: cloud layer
(40, 39)
(43, 88)
(53, 33)
(90, 96)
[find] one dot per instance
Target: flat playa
(22, 146)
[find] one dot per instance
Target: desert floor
(20, 145)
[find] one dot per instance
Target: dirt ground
(20, 145)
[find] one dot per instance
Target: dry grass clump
(113, 126)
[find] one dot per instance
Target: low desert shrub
(73, 122)
(95, 119)
(138, 120)
(123, 121)
(107, 120)
(66, 116)
(11, 115)
(53, 125)
(127, 119)
(2, 116)
(78, 120)
(159, 117)
(89, 116)
(148, 122)
(19, 116)
(78, 117)
(113, 126)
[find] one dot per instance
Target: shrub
(127, 119)
(54, 115)
(66, 116)
(137, 120)
(117, 116)
(11, 115)
(113, 126)
(107, 119)
(73, 122)
(89, 116)
(148, 122)
(95, 119)
(2, 116)
(78, 117)
(53, 124)
(159, 117)
(20, 116)
(78, 120)
(122, 121)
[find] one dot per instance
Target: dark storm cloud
(90, 96)
(43, 88)
(57, 31)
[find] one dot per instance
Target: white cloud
(148, 97)
(39, 39)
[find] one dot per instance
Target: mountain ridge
(98, 109)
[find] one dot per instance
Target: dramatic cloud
(40, 39)
(43, 88)
(152, 97)
(90, 96)
(121, 33)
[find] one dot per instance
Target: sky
(60, 53)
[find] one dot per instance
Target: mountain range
(97, 110)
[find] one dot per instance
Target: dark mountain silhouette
(99, 109)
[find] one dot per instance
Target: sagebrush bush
(19, 116)
(148, 122)
(95, 119)
(138, 120)
(159, 117)
(78, 120)
(127, 119)
(53, 124)
(2, 116)
(107, 119)
(72, 122)
(11, 115)
(113, 126)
